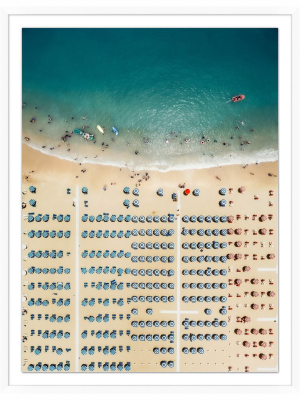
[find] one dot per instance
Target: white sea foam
(184, 162)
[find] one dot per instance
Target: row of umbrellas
(207, 218)
(135, 203)
(202, 232)
(201, 245)
(50, 286)
(45, 367)
(155, 324)
(150, 272)
(59, 270)
(207, 299)
(45, 303)
(105, 270)
(155, 245)
(192, 337)
(45, 254)
(45, 218)
(128, 218)
(193, 350)
(52, 234)
(135, 191)
(156, 299)
(204, 285)
(207, 272)
(186, 323)
(151, 259)
(107, 367)
(150, 285)
(127, 234)
(200, 259)
(106, 254)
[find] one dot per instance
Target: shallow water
(149, 83)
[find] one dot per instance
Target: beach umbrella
(254, 306)
(254, 281)
(164, 232)
(246, 344)
(134, 232)
(127, 218)
(30, 218)
(127, 234)
(31, 234)
(142, 232)
(230, 231)
(149, 232)
(164, 245)
(45, 234)
(84, 218)
(263, 331)
(156, 245)
(208, 259)
(46, 218)
(193, 232)
(242, 189)
(156, 218)
(200, 218)
(67, 218)
(149, 245)
(113, 218)
(184, 232)
(216, 218)
(200, 245)
(196, 192)
(208, 245)
(134, 245)
(149, 218)
(126, 203)
(171, 259)
(38, 234)
(38, 218)
(92, 218)
(155, 258)
(238, 244)
(254, 294)
(208, 218)
(134, 219)
(263, 357)
(193, 259)
(156, 232)
(171, 232)
(222, 203)
(185, 245)
(126, 190)
(216, 259)
(208, 232)
(120, 234)
(127, 255)
(160, 192)
(134, 259)
(262, 218)
(163, 218)
(223, 259)
(223, 218)
(163, 259)
(271, 293)
(136, 203)
(31, 254)
(216, 232)
(187, 191)
(238, 231)
(136, 192)
(238, 332)
(222, 191)
(238, 256)
(84, 190)
(271, 256)
(32, 202)
(142, 219)
(193, 246)
(215, 245)
(223, 245)
(185, 259)
(200, 232)
(263, 231)
(185, 219)
(263, 344)
(246, 268)
(193, 218)
(92, 234)
(230, 218)
(149, 259)
(141, 259)
(230, 256)
(32, 189)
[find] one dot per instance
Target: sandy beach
(246, 343)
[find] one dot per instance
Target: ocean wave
(185, 162)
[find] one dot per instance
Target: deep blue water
(148, 83)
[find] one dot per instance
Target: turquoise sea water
(150, 83)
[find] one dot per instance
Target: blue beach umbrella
(223, 245)
(216, 232)
(164, 232)
(171, 246)
(127, 234)
(216, 218)
(136, 203)
(185, 219)
(126, 190)
(156, 258)
(160, 192)
(215, 245)
(105, 218)
(193, 218)
(171, 259)
(142, 232)
(185, 259)
(171, 218)
(193, 259)
(149, 245)
(216, 259)
(163, 218)
(222, 203)
(32, 189)
(127, 255)
(38, 218)
(52, 234)
(193, 246)
(223, 218)
(149, 218)
(31, 234)
(134, 259)
(200, 232)
(99, 234)
(32, 202)
(134, 245)
(46, 218)
(222, 191)
(200, 245)
(45, 234)
(208, 259)
(127, 218)
(193, 232)
(223, 259)
(223, 232)
(113, 218)
(30, 218)
(156, 232)
(84, 190)
(120, 234)
(208, 245)
(136, 192)
(208, 232)
(149, 259)
(149, 232)
(67, 218)
(196, 192)
(99, 218)
(126, 203)
(120, 218)
(38, 234)
(200, 218)
(208, 218)
(171, 232)
(134, 219)
(156, 218)
(142, 219)
(163, 259)
(84, 218)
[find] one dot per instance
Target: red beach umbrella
(230, 256)
(238, 244)
(246, 344)
(263, 218)
(263, 357)
(254, 306)
(263, 231)
(230, 231)
(238, 231)
(246, 268)
(263, 331)
(263, 344)
(271, 294)
(230, 219)
(238, 332)
(271, 256)
(238, 256)
(254, 294)
(238, 282)
(246, 319)
(254, 331)
(187, 191)
(254, 281)
(242, 189)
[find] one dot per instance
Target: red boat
(238, 98)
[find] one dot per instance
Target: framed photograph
(155, 154)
